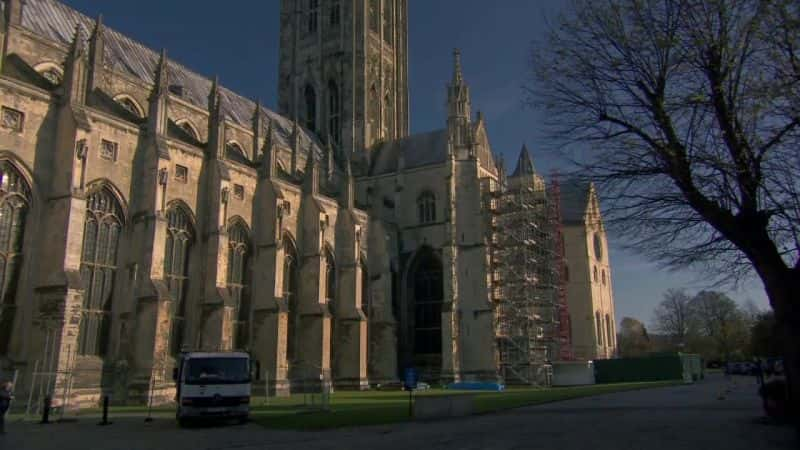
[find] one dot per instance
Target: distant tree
(632, 339)
(691, 110)
(718, 321)
(672, 316)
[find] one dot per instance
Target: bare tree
(686, 113)
(673, 316)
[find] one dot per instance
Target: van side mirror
(174, 374)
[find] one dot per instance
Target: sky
(238, 41)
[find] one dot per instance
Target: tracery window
(176, 270)
(426, 207)
(428, 291)
(290, 294)
(388, 29)
(129, 105)
(599, 325)
(238, 282)
(189, 129)
(335, 13)
(98, 269)
(609, 332)
(334, 112)
(313, 14)
(374, 15)
(234, 152)
(311, 108)
(15, 200)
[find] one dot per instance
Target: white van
(212, 385)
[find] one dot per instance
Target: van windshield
(217, 371)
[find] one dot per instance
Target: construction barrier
(656, 367)
(573, 373)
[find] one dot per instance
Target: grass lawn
(373, 408)
(353, 409)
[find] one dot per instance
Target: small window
(238, 191)
(108, 150)
(313, 11)
(595, 274)
(181, 173)
(189, 129)
(603, 276)
(130, 106)
(426, 207)
(13, 120)
(234, 152)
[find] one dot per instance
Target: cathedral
(145, 210)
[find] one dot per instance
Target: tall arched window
(609, 332)
(388, 116)
(290, 269)
(374, 15)
(311, 108)
(313, 14)
(335, 13)
(598, 320)
(388, 29)
(595, 274)
(427, 288)
(98, 269)
(373, 111)
(426, 207)
(15, 199)
(176, 270)
(238, 282)
(334, 112)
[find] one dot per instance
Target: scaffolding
(527, 273)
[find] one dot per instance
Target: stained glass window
(238, 281)
(426, 207)
(176, 270)
(15, 198)
(98, 269)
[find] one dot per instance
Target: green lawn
(352, 409)
(375, 407)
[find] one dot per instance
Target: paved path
(674, 418)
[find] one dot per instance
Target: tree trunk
(784, 294)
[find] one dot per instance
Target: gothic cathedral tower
(344, 70)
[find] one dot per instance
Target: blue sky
(238, 40)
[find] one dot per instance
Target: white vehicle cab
(212, 385)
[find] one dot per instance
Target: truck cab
(212, 385)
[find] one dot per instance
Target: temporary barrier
(656, 367)
(573, 373)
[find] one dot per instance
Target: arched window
(238, 282)
(335, 13)
(426, 207)
(290, 269)
(599, 326)
(234, 152)
(334, 112)
(176, 269)
(130, 105)
(15, 200)
(595, 274)
(603, 276)
(313, 14)
(427, 288)
(98, 269)
(186, 126)
(609, 332)
(388, 29)
(373, 110)
(374, 15)
(388, 116)
(311, 108)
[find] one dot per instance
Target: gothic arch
(130, 104)
(181, 236)
(240, 252)
(105, 183)
(236, 152)
(421, 326)
(51, 71)
(185, 208)
(187, 126)
(22, 168)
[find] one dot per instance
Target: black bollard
(46, 411)
(105, 412)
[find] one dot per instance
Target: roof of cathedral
(575, 198)
(57, 21)
(524, 163)
(417, 150)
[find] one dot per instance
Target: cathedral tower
(344, 70)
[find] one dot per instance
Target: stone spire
(258, 122)
(349, 186)
(295, 146)
(75, 70)
(329, 161)
(216, 121)
(270, 160)
(524, 163)
(311, 181)
(158, 117)
(458, 105)
(96, 53)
